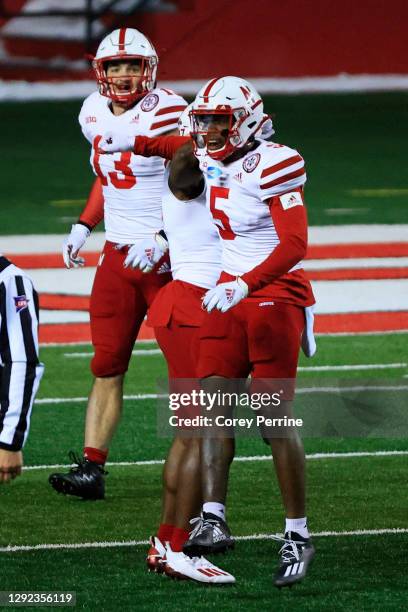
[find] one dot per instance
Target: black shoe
(296, 555)
(85, 479)
(210, 535)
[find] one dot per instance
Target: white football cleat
(155, 555)
(178, 565)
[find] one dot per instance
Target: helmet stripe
(122, 37)
(208, 89)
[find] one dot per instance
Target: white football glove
(145, 254)
(72, 244)
(113, 143)
(226, 295)
(308, 340)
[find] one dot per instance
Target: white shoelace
(290, 549)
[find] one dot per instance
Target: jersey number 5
(220, 217)
(122, 165)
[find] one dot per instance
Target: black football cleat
(85, 479)
(296, 555)
(210, 535)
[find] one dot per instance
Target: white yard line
(355, 263)
(354, 296)
(245, 459)
(63, 316)
(327, 368)
(359, 366)
(137, 352)
(317, 234)
(356, 233)
(359, 388)
(318, 335)
(301, 390)
(64, 400)
(387, 332)
(84, 343)
(255, 536)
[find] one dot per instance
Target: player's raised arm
(160, 146)
(186, 180)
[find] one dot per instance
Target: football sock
(179, 536)
(215, 508)
(165, 532)
(298, 525)
(96, 455)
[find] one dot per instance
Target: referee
(20, 369)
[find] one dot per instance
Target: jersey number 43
(122, 165)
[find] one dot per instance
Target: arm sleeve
(162, 146)
(21, 370)
(93, 211)
(291, 227)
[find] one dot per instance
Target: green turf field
(355, 149)
(346, 494)
(354, 146)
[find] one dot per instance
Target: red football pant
(180, 348)
(176, 316)
(119, 300)
(257, 337)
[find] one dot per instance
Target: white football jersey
(238, 196)
(194, 243)
(132, 184)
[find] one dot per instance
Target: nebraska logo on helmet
(126, 44)
(241, 105)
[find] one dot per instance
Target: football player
(256, 314)
(127, 193)
(176, 315)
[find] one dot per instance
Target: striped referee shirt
(20, 371)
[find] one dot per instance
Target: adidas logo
(238, 177)
(230, 294)
(164, 268)
(135, 119)
(289, 200)
(211, 571)
(218, 535)
(296, 568)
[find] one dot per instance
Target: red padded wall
(266, 38)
